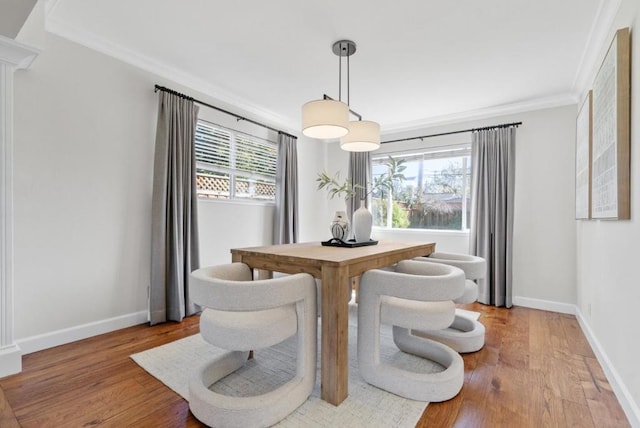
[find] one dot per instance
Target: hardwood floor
(535, 370)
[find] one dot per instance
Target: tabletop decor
(340, 226)
(362, 221)
(350, 243)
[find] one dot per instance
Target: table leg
(335, 335)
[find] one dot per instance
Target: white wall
(83, 158)
(607, 260)
(84, 144)
(314, 224)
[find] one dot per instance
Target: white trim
(10, 360)
(13, 56)
(545, 305)
(72, 334)
(6, 217)
(430, 232)
(16, 54)
(598, 39)
(483, 113)
(623, 395)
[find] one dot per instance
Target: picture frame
(610, 162)
(584, 137)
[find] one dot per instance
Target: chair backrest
(474, 267)
(230, 287)
(416, 280)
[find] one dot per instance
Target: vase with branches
(382, 184)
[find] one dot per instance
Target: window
(232, 165)
(434, 194)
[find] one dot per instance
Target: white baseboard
(545, 305)
(67, 335)
(10, 360)
(625, 399)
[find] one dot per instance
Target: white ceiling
(417, 62)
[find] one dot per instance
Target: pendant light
(325, 119)
(363, 136)
(329, 119)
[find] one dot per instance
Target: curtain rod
(504, 125)
(238, 117)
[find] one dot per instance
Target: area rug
(366, 405)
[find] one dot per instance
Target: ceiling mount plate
(344, 48)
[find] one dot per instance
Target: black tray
(351, 243)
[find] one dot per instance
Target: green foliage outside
(399, 216)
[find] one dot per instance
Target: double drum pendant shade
(325, 119)
(363, 136)
(329, 119)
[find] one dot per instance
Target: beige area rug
(366, 405)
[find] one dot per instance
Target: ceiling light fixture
(328, 118)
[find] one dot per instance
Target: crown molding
(484, 113)
(161, 69)
(597, 41)
(16, 54)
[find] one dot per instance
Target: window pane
(435, 193)
(248, 188)
(255, 157)
(212, 185)
(212, 145)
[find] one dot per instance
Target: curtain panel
(174, 224)
(286, 222)
(359, 173)
(491, 231)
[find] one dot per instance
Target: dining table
(335, 266)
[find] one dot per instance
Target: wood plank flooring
(535, 370)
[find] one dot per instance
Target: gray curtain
(286, 223)
(174, 231)
(359, 173)
(491, 234)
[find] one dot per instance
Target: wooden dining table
(335, 266)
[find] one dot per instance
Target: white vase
(362, 222)
(340, 227)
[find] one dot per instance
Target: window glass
(434, 194)
(233, 165)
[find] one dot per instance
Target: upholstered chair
(417, 295)
(240, 315)
(465, 334)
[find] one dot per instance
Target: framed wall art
(584, 126)
(611, 132)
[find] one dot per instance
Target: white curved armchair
(242, 315)
(417, 295)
